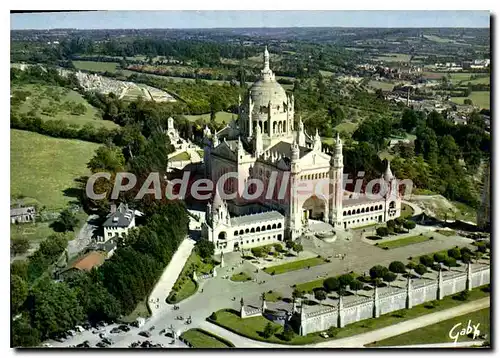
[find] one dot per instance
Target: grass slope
(44, 96)
(42, 167)
(404, 242)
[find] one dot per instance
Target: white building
(119, 221)
(264, 144)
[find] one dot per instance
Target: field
(479, 98)
(296, 265)
(240, 277)
(439, 332)
(347, 127)
(43, 168)
(403, 242)
(393, 57)
(438, 39)
(96, 66)
(199, 338)
(385, 86)
(52, 102)
(220, 117)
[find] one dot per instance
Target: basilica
(267, 144)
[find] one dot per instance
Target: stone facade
(415, 294)
(265, 145)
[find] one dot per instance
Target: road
(84, 236)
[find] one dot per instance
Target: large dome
(264, 91)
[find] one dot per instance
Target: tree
(23, 334)
(426, 260)
(391, 225)
(331, 284)
(397, 267)
(268, 330)
(466, 258)
(298, 248)
(107, 158)
(378, 271)
(205, 248)
(450, 262)
(67, 220)
(382, 231)
(320, 295)
(455, 253)
(411, 266)
(288, 333)
(345, 279)
(439, 257)
(468, 101)
(356, 285)
(409, 225)
(297, 294)
(19, 246)
(389, 277)
(399, 221)
(18, 292)
(257, 251)
(420, 269)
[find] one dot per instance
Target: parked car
(101, 345)
(324, 335)
(108, 341)
(101, 324)
(85, 344)
(116, 330)
(146, 334)
(152, 328)
(87, 326)
(124, 327)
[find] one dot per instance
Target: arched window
(362, 210)
(268, 227)
(241, 232)
(263, 228)
(279, 225)
(357, 212)
(279, 237)
(252, 230)
(258, 229)
(236, 233)
(246, 231)
(274, 226)
(344, 213)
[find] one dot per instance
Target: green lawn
(296, 265)
(406, 211)
(273, 296)
(220, 117)
(53, 103)
(42, 167)
(439, 332)
(199, 338)
(403, 242)
(447, 232)
(384, 86)
(184, 287)
(310, 286)
(347, 127)
(240, 277)
(180, 156)
(480, 99)
(36, 232)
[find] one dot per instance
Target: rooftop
(259, 217)
(22, 211)
(121, 218)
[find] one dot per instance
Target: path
(441, 345)
(417, 210)
(167, 280)
(360, 340)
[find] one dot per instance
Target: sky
(213, 19)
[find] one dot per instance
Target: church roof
(285, 149)
(256, 218)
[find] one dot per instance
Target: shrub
(409, 225)
(331, 284)
(333, 331)
(288, 333)
(382, 231)
(455, 253)
(378, 271)
(426, 260)
(439, 257)
(420, 269)
(213, 316)
(462, 296)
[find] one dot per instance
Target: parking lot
(121, 339)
